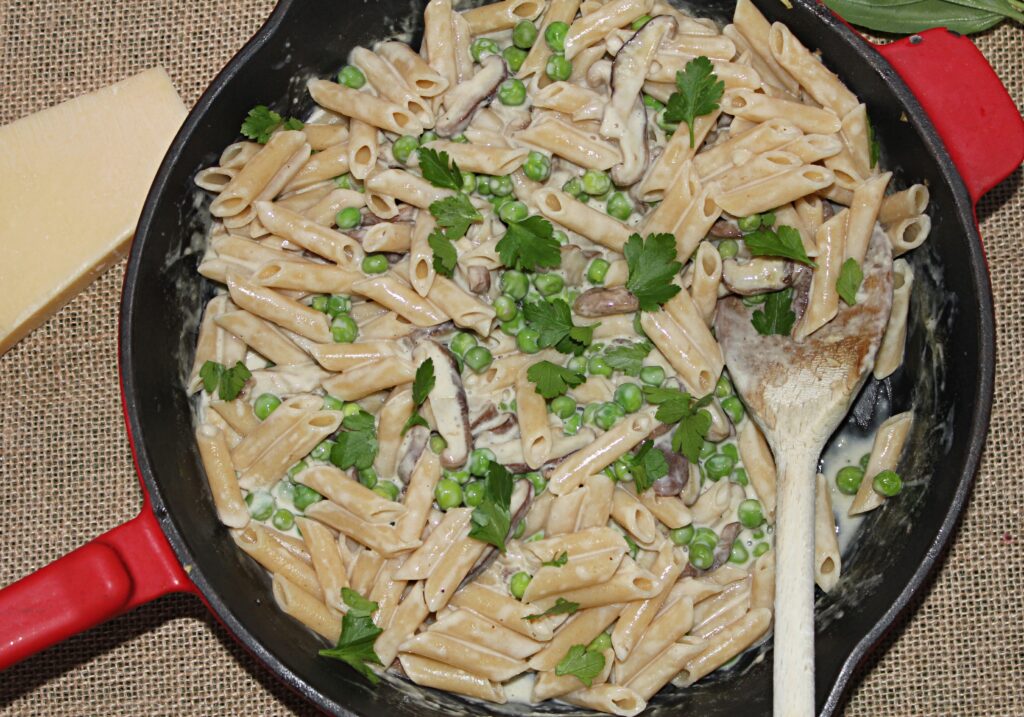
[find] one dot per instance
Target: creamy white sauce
(845, 450)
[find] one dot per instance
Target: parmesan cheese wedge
(72, 182)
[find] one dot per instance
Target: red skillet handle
(977, 120)
(130, 565)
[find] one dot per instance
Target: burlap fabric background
(66, 473)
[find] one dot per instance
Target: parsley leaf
(561, 607)
(529, 244)
(631, 544)
(652, 265)
(553, 380)
(358, 633)
(628, 358)
(261, 122)
(445, 256)
(850, 277)
(656, 395)
(435, 169)
(356, 446)
(777, 316)
(699, 93)
(455, 214)
(689, 435)
(228, 382)
(785, 242)
(582, 663)
(422, 385)
(492, 519)
(553, 319)
(558, 562)
(647, 465)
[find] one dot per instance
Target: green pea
(574, 187)
(483, 46)
(707, 449)
(513, 326)
(367, 477)
(283, 519)
(554, 35)
(652, 375)
(479, 460)
(344, 329)
(738, 554)
(500, 186)
(520, 529)
(403, 148)
(448, 494)
(768, 219)
(338, 304)
(749, 224)
(724, 387)
(740, 477)
(548, 284)
(750, 513)
(619, 206)
(537, 481)
(563, 406)
(386, 489)
(428, 137)
(322, 452)
(590, 411)
(483, 185)
(600, 643)
(558, 68)
(524, 34)
(561, 237)
(505, 308)
(681, 536)
(864, 460)
(375, 263)
(344, 181)
(640, 22)
(760, 549)
(728, 248)
(719, 466)
(597, 271)
(518, 584)
(460, 476)
(437, 443)
(653, 103)
(849, 478)
(754, 300)
(468, 182)
(285, 490)
(473, 493)
(515, 284)
(351, 76)
(461, 343)
(539, 535)
(729, 449)
(514, 211)
(478, 358)
(265, 404)
(497, 202)
(577, 364)
(733, 408)
(669, 127)
(305, 497)
(348, 218)
(528, 341)
(351, 409)
(887, 483)
(261, 505)
(514, 57)
(596, 182)
(297, 468)
(537, 166)
(607, 415)
(757, 535)
(630, 397)
(621, 468)
(599, 367)
(512, 92)
(571, 425)
(701, 556)
(319, 303)
(460, 139)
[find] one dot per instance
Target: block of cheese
(72, 182)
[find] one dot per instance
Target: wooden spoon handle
(793, 677)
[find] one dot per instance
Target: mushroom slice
(478, 279)
(448, 403)
(724, 229)
(463, 100)
(756, 276)
(574, 263)
(605, 302)
(673, 482)
(414, 442)
(633, 145)
(724, 547)
(629, 71)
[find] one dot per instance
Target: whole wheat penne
(304, 607)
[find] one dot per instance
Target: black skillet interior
(947, 377)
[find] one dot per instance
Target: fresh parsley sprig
(439, 169)
(492, 519)
(228, 382)
(454, 214)
(445, 256)
(561, 607)
(692, 422)
(777, 315)
(699, 93)
(850, 277)
(628, 358)
(553, 380)
(652, 266)
(784, 242)
(647, 465)
(356, 446)
(558, 562)
(358, 634)
(529, 244)
(553, 320)
(261, 122)
(581, 663)
(422, 385)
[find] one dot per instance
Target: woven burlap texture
(66, 473)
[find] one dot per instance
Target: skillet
(941, 117)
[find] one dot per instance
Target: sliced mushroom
(486, 415)
(448, 403)
(757, 275)
(414, 442)
(600, 301)
(724, 548)
(574, 263)
(463, 100)
(478, 279)
(678, 474)
(406, 214)
(725, 229)
(429, 332)
(691, 491)
(634, 147)
(599, 74)
(628, 73)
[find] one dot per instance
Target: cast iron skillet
(973, 138)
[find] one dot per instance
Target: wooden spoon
(798, 392)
